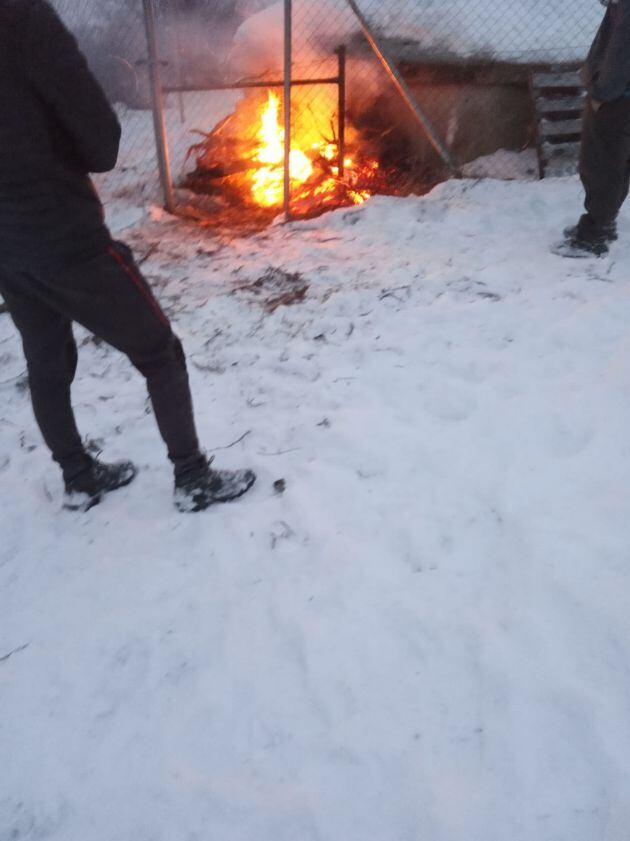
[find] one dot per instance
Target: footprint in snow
(448, 403)
(566, 440)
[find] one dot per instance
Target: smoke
(194, 40)
(211, 42)
(319, 28)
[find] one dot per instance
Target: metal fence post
(157, 99)
(288, 74)
(404, 90)
(341, 106)
(180, 60)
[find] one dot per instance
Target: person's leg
(197, 484)
(109, 297)
(51, 358)
(604, 164)
(626, 182)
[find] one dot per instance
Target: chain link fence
(383, 94)
(111, 33)
(468, 66)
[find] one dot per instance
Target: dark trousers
(109, 297)
(605, 161)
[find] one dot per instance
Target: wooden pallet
(559, 99)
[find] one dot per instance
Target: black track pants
(109, 297)
(605, 160)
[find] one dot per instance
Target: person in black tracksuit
(605, 153)
(59, 264)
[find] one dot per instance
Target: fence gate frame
(158, 90)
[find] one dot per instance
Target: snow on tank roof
(522, 31)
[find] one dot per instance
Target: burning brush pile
(242, 162)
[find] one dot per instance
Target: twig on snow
(149, 253)
(234, 443)
(13, 380)
(280, 452)
(391, 293)
(15, 651)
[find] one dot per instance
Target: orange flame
(268, 185)
(314, 167)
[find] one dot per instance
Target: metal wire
(465, 64)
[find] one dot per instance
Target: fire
(268, 179)
(242, 160)
(268, 186)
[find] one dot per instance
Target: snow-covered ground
(425, 637)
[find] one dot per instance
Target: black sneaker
(202, 487)
(88, 488)
(608, 232)
(580, 248)
(586, 239)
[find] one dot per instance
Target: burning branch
(247, 168)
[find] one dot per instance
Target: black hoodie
(56, 126)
